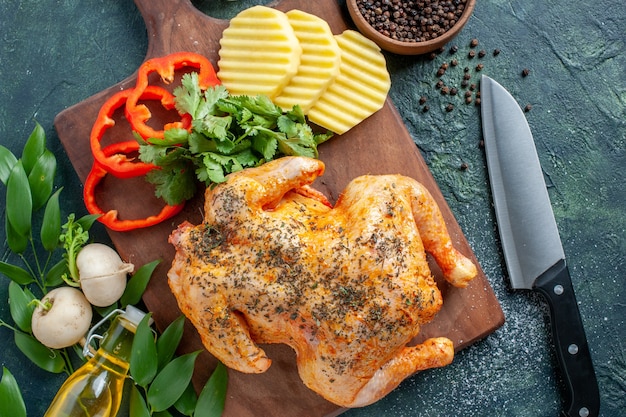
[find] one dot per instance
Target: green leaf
(16, 241)
(34, 147)
(169, 340)
(171, 382)
(211, 170)
(21, 310)
(212, 126)
(174, 184)
(105, 311)
(11, 401)
(188, 94)
(54, 277)
(297, 147)
(247, 158)
(137, 284)
(186, 404)
(151, 154)
(16, 274)
(137, 405)
(212, 97)
(41, 179)
(322, 137)
(171, 137)
(87, 221)
(143, 358)
(7, 160)
(296, 114)
(266, 145)
(42, 356)
(19, 203)
(213, 396)
(51, 225)
(199, 143)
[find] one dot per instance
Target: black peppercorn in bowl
(410, 27)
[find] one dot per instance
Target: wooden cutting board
(379, 145)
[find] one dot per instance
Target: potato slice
(319, 62)
(359, 90)
(259, 52)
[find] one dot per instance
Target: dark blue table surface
(55, 54)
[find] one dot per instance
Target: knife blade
(530, 239)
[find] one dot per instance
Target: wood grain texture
(379, 145)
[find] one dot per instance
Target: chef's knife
(530, 239)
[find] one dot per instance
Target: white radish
(62, 318)
(102, 273)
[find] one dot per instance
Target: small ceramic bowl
(405, 47)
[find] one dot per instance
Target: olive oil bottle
(95, 389)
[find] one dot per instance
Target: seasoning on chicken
(347, 287)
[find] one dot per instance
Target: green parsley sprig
(229, 133)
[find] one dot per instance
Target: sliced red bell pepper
(119, 164)
(110, 218)
(139, 114)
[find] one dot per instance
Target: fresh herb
(12, 403)
(73, 239)
(44, 261)
(35, 240)
(228, 134)
(162, 382)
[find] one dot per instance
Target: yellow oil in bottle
(95, 389)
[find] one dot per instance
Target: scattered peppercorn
(471, 94)
(432, 56)
(528, 108)
(481, 143)
(525, 72)
(464, 166)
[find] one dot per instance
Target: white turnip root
(102, 274)
(62, 318)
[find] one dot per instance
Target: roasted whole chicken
(346, 286)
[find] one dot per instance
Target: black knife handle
(582, 397)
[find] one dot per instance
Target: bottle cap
(134, 315)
